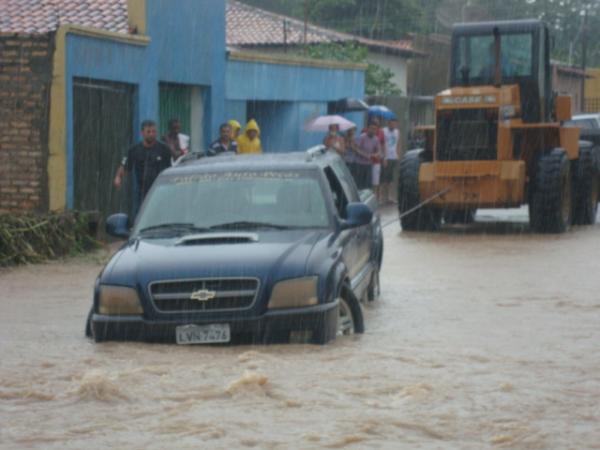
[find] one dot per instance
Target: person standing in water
(393, 152)
(334, 141)
(172, 139)
(146, 160)
(235, 128)
(224, 144)
(249, 141)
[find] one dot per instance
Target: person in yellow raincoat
(249, 142)
(235, 129)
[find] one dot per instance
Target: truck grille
(467, 134)
(180, 296)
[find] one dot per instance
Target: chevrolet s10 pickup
(249, 248)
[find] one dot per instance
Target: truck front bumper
(273, 326)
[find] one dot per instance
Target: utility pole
(584, 42)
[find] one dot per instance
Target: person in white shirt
(393, 151)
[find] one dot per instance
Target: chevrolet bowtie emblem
(203, 295)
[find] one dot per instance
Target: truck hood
(271, 254)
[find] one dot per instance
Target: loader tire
(426, 218)
(550, 205)
(585, 187)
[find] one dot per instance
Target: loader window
(474, 60)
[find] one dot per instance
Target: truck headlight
(119, 301)
(294, 293)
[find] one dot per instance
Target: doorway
(186, 103)
(102, 133)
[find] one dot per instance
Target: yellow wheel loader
(499, 139)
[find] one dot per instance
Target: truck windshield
(474, 60)
(244, 199)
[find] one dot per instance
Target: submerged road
(484, 337)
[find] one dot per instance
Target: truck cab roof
(316, 157)
(503, 26)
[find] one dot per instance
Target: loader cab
(506, 53)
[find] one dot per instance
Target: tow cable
(417, 207)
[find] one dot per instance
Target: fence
(592, 104)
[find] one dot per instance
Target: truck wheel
(88, 324)
(350, 319)
(460, 216)
(425, 218)
(550, 206)
(374, 289)
(585, 185)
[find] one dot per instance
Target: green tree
(377, 19)
(565, 19)
(378, 81)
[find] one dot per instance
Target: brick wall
(25, 78)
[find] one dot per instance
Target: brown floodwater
(485, 337)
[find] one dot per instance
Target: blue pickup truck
(260, 248)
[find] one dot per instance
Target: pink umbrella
(322, 123)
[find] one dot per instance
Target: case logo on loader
(468, 99)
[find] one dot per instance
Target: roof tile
(249, 26)
(44, 16)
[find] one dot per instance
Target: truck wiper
(177, 227)
(242, 224)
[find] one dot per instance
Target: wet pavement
(485, 337)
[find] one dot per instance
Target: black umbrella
(346, 105)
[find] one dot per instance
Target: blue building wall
(236, 109)
(267, 81)
(187, 46)
(285, 96)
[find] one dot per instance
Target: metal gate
(102, 133)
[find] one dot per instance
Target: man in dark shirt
(224, 143)
(146, 159)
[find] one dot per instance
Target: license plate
(203, 334)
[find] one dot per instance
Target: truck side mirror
(357, 215)
(117, 225)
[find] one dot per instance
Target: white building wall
(397, 64)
